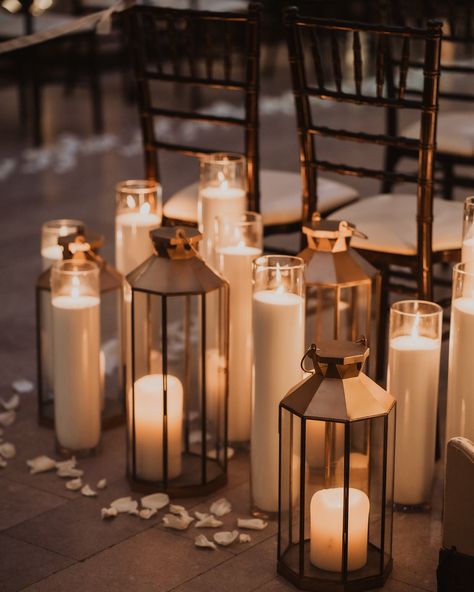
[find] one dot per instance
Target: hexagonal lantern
(337, 436)
(177, 385)
(342, 288)
(112, 362)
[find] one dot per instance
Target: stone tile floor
(52, 539)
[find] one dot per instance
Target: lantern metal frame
(331, 267)
(176, 270)
(326, 397)
(80, 245)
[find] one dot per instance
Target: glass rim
(293, 262)
(458, 269)
(244, 219)
(437, 309)
(60, 222)
(222, 158)
(137, 186)
(87, 267)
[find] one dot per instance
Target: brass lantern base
(182, 486)
(319, 580)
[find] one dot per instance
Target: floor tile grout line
(416, 586)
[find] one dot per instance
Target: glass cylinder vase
(238, 241)
(138, 210)
(467, 254)
(75, 291)
(222, 191)
(460, 409)
(413, 378)
(278, 341)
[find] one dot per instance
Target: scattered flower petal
(7, 450)
(3, 463)
(147, 513)
(177, 522)
(226, 538)
(220, 507)
(244, 538)
(70, 473)
(74, 484)
(12, 403)
(124, 505)
(252, 523)
(204, 543)
(209, 522)
(108, 513)
(212, 454)
(22, 386)
(87, 491)
(7, 418)
(178, 510)
(201, 515)
(155, 501)
(102, 484)
(41, 464)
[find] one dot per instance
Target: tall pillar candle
(222, 191)
(413, 377)
(148, 419)
(138, 211)
(76, 349)
(327, 518)
(278, 338)
(460, 407)
(238, 242)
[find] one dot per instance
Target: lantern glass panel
(389, 498)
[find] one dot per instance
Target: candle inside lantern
(76, 349)
(460, 407)
(278, 333)
(327, 508)
(138, 212)
(413, 374)
(51, 251)
(148, 416)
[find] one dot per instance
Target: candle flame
(130, 201)
(281, 287)
(63, 231)
(145, 209)
(415, 330)
(223, 182)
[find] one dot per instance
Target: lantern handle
(311, 352)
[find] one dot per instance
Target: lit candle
(278, 337)
(413, 374)
(327, 508)
(460, 408)
(238, 243)
(148, 393)
(50, 232)
(132, 236)
(76, 349)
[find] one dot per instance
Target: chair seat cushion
(13, 25)
(389, 221)
(281, 198)
(455, 133)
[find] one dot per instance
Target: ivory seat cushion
(455, 133)
(13, 25)
(389, 221)
(281, 198)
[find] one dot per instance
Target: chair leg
(36, 109)
(391, 159)
(448, 180)
(382, 329)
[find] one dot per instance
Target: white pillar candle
(326, 515)
(77, 381)
(413, 373)
(460, 410)
(278, 330)
(214, 201)
(467, 253)
(148, 393)
(235, 264)
(50, 255)
(132, 237)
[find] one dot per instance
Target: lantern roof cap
(175, 235)
(342, 352)
(323, 228)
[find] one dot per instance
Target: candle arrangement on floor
(335, 526)
(177, 384)
(203, 345)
